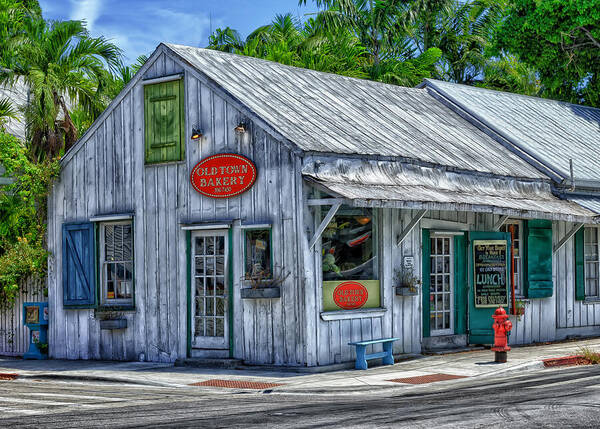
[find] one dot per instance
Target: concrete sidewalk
(376, 380)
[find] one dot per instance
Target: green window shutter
(579, 265)
(164, 121)
(460, 285)
(539, 259)
(426, 272)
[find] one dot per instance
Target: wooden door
(210, 318)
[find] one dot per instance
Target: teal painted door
(481, 305)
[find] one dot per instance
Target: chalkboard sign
(491, 288)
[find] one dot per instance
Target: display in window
(258, 254)
(348, 246)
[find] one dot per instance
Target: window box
(268, 292)
(113, 324)
(406, 291)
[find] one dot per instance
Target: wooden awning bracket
(330, 214)
(411, 225)
(500, 222)
(567, 236)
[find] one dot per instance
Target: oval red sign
(350, 295)
(224, 175)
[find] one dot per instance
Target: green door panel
(426, 280)
(461, 285)
(480, 319)
(539, 259)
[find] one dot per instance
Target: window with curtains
(515, 229)
(592, 262)
(116, 263)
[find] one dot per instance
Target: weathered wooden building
(212, 173)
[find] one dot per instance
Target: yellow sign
(351, 295)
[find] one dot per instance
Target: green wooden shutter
(426, 272)
(461, 287)
(539, 259)
(164, 121)
(579, 265)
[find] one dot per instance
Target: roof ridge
(512, 94)
(317, 72)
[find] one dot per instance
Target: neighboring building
(343, 188)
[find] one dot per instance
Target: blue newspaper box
(35, 317)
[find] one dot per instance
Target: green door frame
(480, 319)
(188, 243)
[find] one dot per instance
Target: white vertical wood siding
(108, 175)
(572, 317)
(14, 337)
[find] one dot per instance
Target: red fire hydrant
(501, 328)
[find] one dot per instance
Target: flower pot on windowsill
(406, 291)
(113, 324)
(267, 292)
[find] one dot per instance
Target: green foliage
(332, 42)
(590, 355)
(60, 63)
(561, 40)
(22, 217)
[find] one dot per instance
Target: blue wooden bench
(362, 356)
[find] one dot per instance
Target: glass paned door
(209, 290)
(441, 291)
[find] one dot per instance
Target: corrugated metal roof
(322, 112)
(550, 130)
(399, 185)
(590, 203)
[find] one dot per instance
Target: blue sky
(138, 26)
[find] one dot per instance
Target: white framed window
(116, 263)
(592, 261)
(515, 229)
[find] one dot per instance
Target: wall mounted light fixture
(197, 133)
(241, 128)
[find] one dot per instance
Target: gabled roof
(327, 113)
(551, 132)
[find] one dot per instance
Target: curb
(562, 361)
(75, 377)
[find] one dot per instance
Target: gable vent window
(164, 122)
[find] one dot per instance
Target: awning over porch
(370, 183)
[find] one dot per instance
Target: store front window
(349, 261)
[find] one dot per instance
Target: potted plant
(407, 284)
(519, 309)
(42, 347)
(263, 283)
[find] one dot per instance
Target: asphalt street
(560, 397)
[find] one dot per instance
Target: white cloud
(88, 10)
(139, 30)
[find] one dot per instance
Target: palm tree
(59, 61)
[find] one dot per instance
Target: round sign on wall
(350, 295)
(223, 175)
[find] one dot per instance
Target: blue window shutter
(539, 259)
(79, 273)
